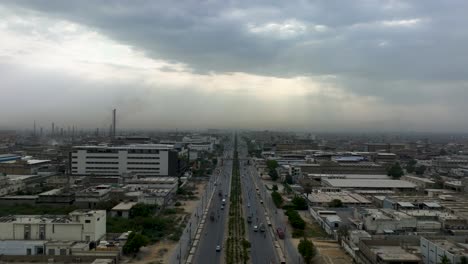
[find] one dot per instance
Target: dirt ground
(329, 252)
(154, 254)
(190, 205)
(161, 251)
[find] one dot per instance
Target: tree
(143, 210)
(289, 179)
(273, 174)
(299, 203)
(395, 171)
(277, 199)
(308, 188)
(272, 164)
(444, 260)
(275, 187)
(410, 166)
(295, 219)
(335, 203)
(443, 152)
(307, 250)
(420, 170)
(343, 231)
(134, 242)
(463, 260)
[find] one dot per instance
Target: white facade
(202, 147)
(142, 159)
(433, 251)
(380, 220)
(77, 226)
(21, 247)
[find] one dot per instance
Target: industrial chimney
(113, 123)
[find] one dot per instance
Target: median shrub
(277, 199)
(295, 219)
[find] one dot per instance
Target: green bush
(277, 199)
(307, 249)
(295, 219)
(297, 233)
(155, 228)
(134, 242)
(299, 203)
(142, 210)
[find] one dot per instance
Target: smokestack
(34, 133)
(41, 130)
(53, 128)
(113, 123)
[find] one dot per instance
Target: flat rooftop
(393, 253)
(368, 183)
(345, 197)
(349, 176)
(124, 206)
(128, 147)
(420, 179)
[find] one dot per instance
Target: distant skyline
(289, 65)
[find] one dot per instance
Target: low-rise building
(380, 221)
(90, 197)
(386, 252)
(422, 183)
(122, 209)
(323, 198)
(79, 225)
(366, 184)
(433, 250)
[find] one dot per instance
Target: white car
(255, 228)
(218, 248)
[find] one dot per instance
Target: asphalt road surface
(262, 250)
(214, 230)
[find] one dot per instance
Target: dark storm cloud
(405, 53)
(213, 35)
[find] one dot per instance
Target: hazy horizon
(297, 65)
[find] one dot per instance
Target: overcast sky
(309, 65)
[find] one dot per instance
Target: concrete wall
(432, 254)
(18, 247)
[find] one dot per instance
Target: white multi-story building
(79, 225)
(141, 159)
